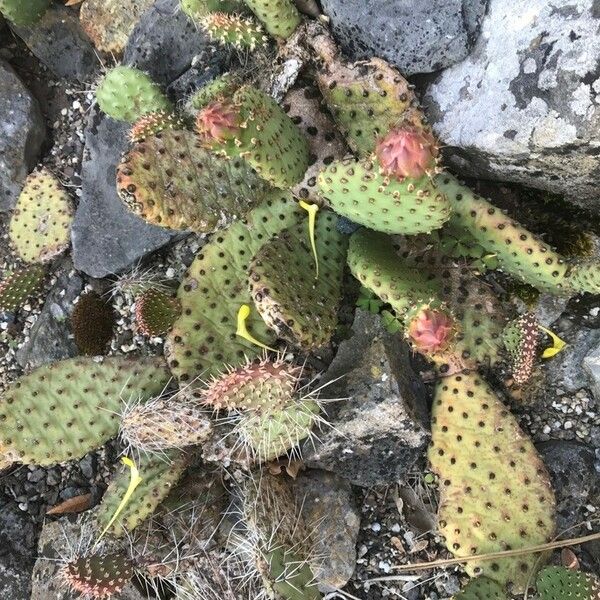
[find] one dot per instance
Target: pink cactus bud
(430, 331)
(219, 121)
(407, 152)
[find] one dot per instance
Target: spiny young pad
(280, 17)
(204, 338)
(495, 491)
(93, 322)
(98, 576)
(152, 123)
(521, 339)
(156, 312)
(159, 473)
(481, 588)
(359, 191)
(299, 306)
(219, 88)
(235, 30)
(559, 583)
(19, 286)
(62, 411)
(171, 181)
(23, 12)
(126, 94)
(40, 227)
(584, 277)
(196, 9)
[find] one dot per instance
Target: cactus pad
(153, 123)
(23, 13)
(585, 277)
(280, 17)
(62, 411)
(93, 321)
(495, 490)
(301, 307)
(159, 473)
(196, 9)
(235, 30)
(40, 227)
(19, 286)
(481, 588)
(521, 339)
(126, 94)
(204, 339)
(558, 583)
(169, 180)
(219, 88)
(358, 191)
(156, 312)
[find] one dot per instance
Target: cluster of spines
(234, 29)
(156, 311)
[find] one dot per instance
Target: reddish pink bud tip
(430, 331)
(218, 121)
(407, 152)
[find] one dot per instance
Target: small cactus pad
(357, 190)
(290, 576)
(64, 410)
(261, 133)
(21, 12)
(521, 339)
(495, 490)
(585, 277)
(280, 17)
(219, 88)
(126, 94)
(559, 583)
(169, 180)
(367, 99)
(159, 473)
(98, 576)
(152, 123)
(235, 30)
(164, 423)
(19, 286)
(196, 9)
(156, 312)
(481, 588)
(300, 306)
(204, 338)
(93, 321)
(40, 227)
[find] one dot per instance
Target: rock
(22, 132)
(591, 367)
(57, 540)
(106, 237)
(50, 338)
(380, 431)
(58, 40)
(15, 578)
(165, 43)
(415, 36)
(522, 106)
(330, 509)
(575, 479)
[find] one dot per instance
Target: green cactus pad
(93, 322)
(495, 491)
(170, 181)
(159, 473)
(366, 99)
(235, 30)
(40, 227)
(204, 338)
(98, 576)
(126, 94)
(156, 312)
(153, 123)
(481, 588)
(196, 9)
(521, 339)
(23, 12)
(358, 191)
(559, 583)
(301, 307)
(280, 17)
(19, 286)
(585, 277)
(62, 411)
(266, 138)
(217, 89)
(291, 577)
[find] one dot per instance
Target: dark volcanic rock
(378, 433)
(22, 132)
(415, 36)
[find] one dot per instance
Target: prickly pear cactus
(558, 583)
(280, 17)
(19, 286)
(293, 300)
(170, 181)
(153, 123)
(159, 473)
(126, 94)
(197, 9)
(584, 277)
(521, 339)
(62, 411)
(481, 588)
(217, 89)
(156, 312)
(234, 30)
(23, 13)
(253, 126)
(98, 576)
(495, 490)
(40, 227)
(93, 321)
(204, 338)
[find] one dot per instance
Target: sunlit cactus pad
(19, 286)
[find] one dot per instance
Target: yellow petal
(242, 330)
(312, 209)
(557, 344)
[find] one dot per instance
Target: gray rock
(522, 106)
(591, 367)
(57, 540)
(106, 237)
(22, 133)
(15, 578)
(50, 338)
(330, 508)
(415, 36)
(58, 40)
(380, 431)
(165, 43)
